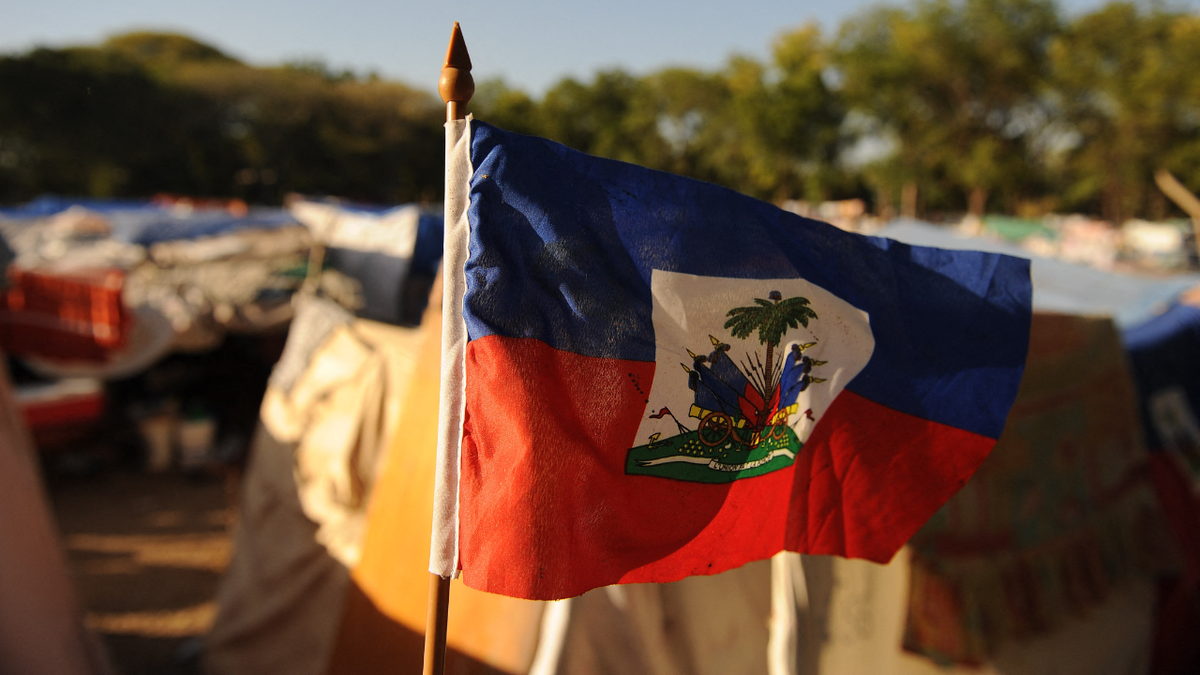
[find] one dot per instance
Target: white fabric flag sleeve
(443, 550)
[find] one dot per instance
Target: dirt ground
(146, 552)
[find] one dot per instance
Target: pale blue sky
(531, 44)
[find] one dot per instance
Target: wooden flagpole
(456, 87)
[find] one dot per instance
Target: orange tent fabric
(384, 618)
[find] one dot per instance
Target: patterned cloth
(1055, 518)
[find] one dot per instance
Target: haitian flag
(657, 377)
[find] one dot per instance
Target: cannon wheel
(715, 428)
(777, 424)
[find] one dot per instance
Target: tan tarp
(41, 620)
(342, 414)
(280, 599)
(304, 501)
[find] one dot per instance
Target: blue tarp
(395, 284)
(1164, 353)
(169, 226)
(144, 222)
(427, 253)
(394, 290)
(1061, 286)
(52, 205)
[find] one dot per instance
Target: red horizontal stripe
(547, 511)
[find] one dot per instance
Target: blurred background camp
(221, 234)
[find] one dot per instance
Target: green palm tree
(771, 318)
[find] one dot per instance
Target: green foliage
(770, 130)
(799, 136)
(678, 115)
(505, 107)
(165, 49)
(147, 113)
(958, 104)
(593, 118)
(771, 318)
(86, 121)
(1128, 89)
(959, 84)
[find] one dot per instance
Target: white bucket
(195, 442)
(157, 431)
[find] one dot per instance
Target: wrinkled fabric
(341, 413)
(280, 599)
(664, 378)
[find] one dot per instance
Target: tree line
(145, 113)
(940, 106)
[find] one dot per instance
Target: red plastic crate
(77, 316)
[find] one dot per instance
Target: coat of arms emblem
(745, 411)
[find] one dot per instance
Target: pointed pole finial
(456, 84)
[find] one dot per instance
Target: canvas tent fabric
(51, 205)
(190, 274)
(1059, 516)
(6, 256)
(696, 626)
(342, 414)
(327, 419)
(1165, 355)
(280, 598)
(290, 605)
(41, 619)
